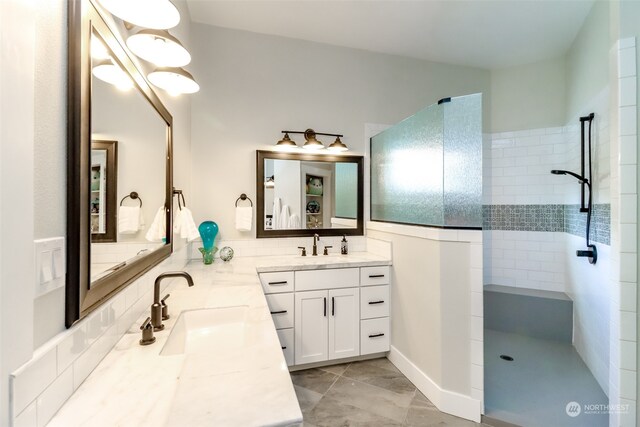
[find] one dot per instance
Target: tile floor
(369, 393)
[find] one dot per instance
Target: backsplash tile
(41, 386)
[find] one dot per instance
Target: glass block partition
(427, 169)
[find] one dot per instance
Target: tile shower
(532, 227)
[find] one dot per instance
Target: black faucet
(156, 307)
(315, 244)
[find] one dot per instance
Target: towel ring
(243, 197)
(134, 196)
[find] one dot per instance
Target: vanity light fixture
(156, 14)
(286, 144)
(338, 146)
(311, 144)
(174, 80)
(111, 73)
(159, 47)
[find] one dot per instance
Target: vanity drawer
(286, 342)
(281, 308)
(279, 282)
(314, 280)
(374, 276)
(374, 335)
(374, 302)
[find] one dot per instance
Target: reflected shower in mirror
(120, 223)
(300, 194)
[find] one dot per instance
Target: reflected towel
(244, 218)
(188, 230)
(277, 207)
(294, 222)
(284, 217)
(130, 219)
(158, 227)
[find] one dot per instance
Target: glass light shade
(159, 47)
(111, 73)
(173, 80)
(286, 144)
(338, 145)
(156, 14)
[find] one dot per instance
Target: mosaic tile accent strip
(550, 218)
(575, 222)
(523, 217)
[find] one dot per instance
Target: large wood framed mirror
(113, 195)
(303, 194)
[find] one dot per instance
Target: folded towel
(157, 230)
(188, 230)
(294, 222)
(130, 219)
(244, 218)
(277, 207)
(284, 217)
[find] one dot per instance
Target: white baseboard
(447, 401)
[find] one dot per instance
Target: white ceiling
(481, 33)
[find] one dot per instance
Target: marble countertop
(248, 385)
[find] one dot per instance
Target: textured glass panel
(346, 189)
(463, 161)
(407, 171)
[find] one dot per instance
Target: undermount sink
(203, 330)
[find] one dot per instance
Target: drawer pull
(376, 276)
(375, 302)
(283, 282)
(325, 307)
(279, 312)
(376, 335)
(284, 348)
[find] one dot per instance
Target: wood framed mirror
(301, 194)
(121, 108)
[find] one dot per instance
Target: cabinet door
(311, 327)
(344, 323)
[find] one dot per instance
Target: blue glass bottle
(208, 232)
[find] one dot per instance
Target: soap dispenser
(344, 245)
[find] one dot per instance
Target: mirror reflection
(309, 195)
(128, 168)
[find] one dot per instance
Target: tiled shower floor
(534, 389)
(370, 393)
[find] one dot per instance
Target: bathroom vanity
(222, 358)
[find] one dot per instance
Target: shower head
(573, 174)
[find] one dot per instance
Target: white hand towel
(129, 219)
(284, 217)
(188, 230)
(178, 222)
(294, 222)
(277, 207)
(158, 227)
(244, 218)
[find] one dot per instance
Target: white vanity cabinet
(331, 314)
(327, 325)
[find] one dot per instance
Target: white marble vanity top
(241, 385)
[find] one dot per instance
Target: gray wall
(254, 86)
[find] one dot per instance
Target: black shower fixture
(591, 252)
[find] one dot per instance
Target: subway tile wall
(41, 386)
